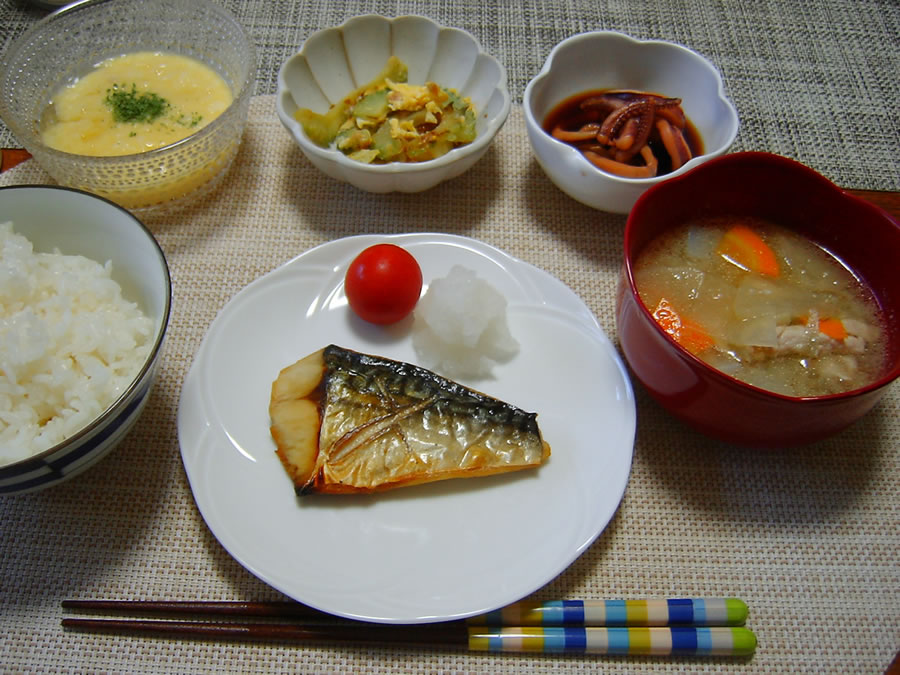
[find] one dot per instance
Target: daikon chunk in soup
(764, 305)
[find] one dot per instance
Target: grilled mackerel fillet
(350, 422)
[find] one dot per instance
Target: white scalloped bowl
(335, 61)
(612, 60)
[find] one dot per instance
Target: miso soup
(764, 305)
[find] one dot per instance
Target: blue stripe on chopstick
(616, 612)
(681, 611)
(684, 639)
(573, 612)
(576, 639)
(704, 640)
(557, 640)
(553, 614)
(699, 606)
(618, 640)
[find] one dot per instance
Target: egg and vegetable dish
(389, 120)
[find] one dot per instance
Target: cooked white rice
(460, 328)
(69, 344)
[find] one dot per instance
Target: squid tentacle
(626, 170)
(625, 121)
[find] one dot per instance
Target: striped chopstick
(632, 641)
(652, 612)
(486, 633)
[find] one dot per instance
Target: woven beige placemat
(814, 80)
(809, 538)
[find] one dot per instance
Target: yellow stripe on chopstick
(637, 612)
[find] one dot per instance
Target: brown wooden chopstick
(246, 620)
(275, 609)
(427, 634)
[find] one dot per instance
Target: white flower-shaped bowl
(611, 60)
(335, 61)
(73, 222)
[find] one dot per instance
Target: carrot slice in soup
(689, 334)
(833, 328)
(744, 247)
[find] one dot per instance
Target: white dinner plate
(445, 550)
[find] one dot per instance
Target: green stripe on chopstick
(647, 641)
(653, 612)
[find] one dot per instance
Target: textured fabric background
(815, 80)
(809, 538)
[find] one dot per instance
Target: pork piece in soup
(764, 305)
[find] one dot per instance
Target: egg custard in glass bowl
(143, 103)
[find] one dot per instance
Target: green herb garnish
(134, 106)
(189, 121)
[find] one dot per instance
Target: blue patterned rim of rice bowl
(71, 457)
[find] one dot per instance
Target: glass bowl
(70, 42)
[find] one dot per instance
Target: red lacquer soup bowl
(863, 236)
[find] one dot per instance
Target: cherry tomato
(383, 284)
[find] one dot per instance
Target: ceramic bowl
(864, 237)
(335, 61)
(68, 43)
(610, 60)
(78, 223)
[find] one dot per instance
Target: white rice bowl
(70, 345)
